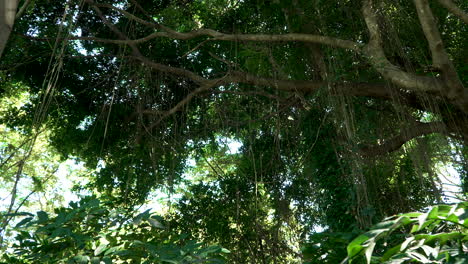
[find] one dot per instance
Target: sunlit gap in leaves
(449, 177)
(160, 200)
(451, 183)
(44, 180)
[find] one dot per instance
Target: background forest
(233, 131)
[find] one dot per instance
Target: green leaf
(99, 249)
(368, 251)
(452, 218)
(145, 215)
(155, 223)
(412, 214)
(24, 221)
(442, 237)
(385, 224)
(355, 246)
(391, 252)
(433, 213)
(112, 250)
(19, 214)
(430, 251)
(81, 259)
(405, 244)
(42, 217)
(422, 221)
(419, 257)
(107, 260)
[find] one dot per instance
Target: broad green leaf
(414, 228)
(42, 216)
(385, 224)
(101, 248)
(433, 213)
(412, 214)
(112, 250)
(355, 246)
(422, 221)
(452, 218)
(368, 250)
(19, 214)
(405, 244)
(81, 259)
(444, 210)
(145, 215)
(391, 252)
(24, 221)
(441, 237)
(419, 257)
(155, 223)
(107, 260)
(430, 251)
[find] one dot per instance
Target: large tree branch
(383, 91)
(440, 57)
(292, 37)
(170, 33)
(419, 129)
(377, 90)
(7, 19)
(454, 9)
(379, 61)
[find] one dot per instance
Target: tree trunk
(7, 18)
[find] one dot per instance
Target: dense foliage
(90, 232)
(343, 113)
(437, 236)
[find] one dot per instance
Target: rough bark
(7, 19)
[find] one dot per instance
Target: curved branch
(170, 33)
(375, 90)
(292, 37)
(420, 129)
(379, 61)
(440, 57)
(454, 9)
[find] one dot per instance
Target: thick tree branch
(454, 9)
(7, 19)
(420, 129)
(170, 33)
(379, 61)
(375, 90)
(440, 57)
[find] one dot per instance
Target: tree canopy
(345, 111)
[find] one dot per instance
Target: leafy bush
(92, 232)
(437, 236)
